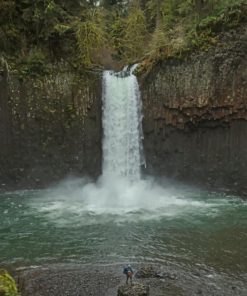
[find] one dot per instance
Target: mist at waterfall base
(120, 191)
(116, 200)
(123, 217)
(109, 221)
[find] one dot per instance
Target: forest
(91, 34)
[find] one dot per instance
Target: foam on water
(120, 194)
(83, 202)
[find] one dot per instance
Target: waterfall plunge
(122, 143)
(120, 191)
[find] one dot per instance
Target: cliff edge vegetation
(109, 33)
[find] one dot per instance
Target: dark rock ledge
(108, 280)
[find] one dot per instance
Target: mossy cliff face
(50, 126)
(195, 116)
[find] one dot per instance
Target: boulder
(136, 289)
(163, 275)
(145, 272)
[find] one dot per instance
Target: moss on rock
(7, 284)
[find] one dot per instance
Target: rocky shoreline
(105, 280)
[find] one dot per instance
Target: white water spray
(120, 191)
(122, 143)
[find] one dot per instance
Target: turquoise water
(199, 228)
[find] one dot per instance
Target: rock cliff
(50, 126)
(195, 115)
(195, 120)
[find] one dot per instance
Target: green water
(199, 229)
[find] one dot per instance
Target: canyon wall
(195, 116)
(195, 120)
(50, 127)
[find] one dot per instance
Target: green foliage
(88, 32)
(226, 18)
(90, 35)
(185, 7)
(134, 34)
(117, 32)
(7, 284)
(159, 40)
(205, 33)
(62, 29)
(34, 64)
(192, 24)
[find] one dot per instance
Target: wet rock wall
(195, 116)
(50, 127)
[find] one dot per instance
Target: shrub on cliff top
(7, 284)
(87, 33)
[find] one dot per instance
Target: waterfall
(122, 125)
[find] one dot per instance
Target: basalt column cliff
(50, 127)
(195, 116)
